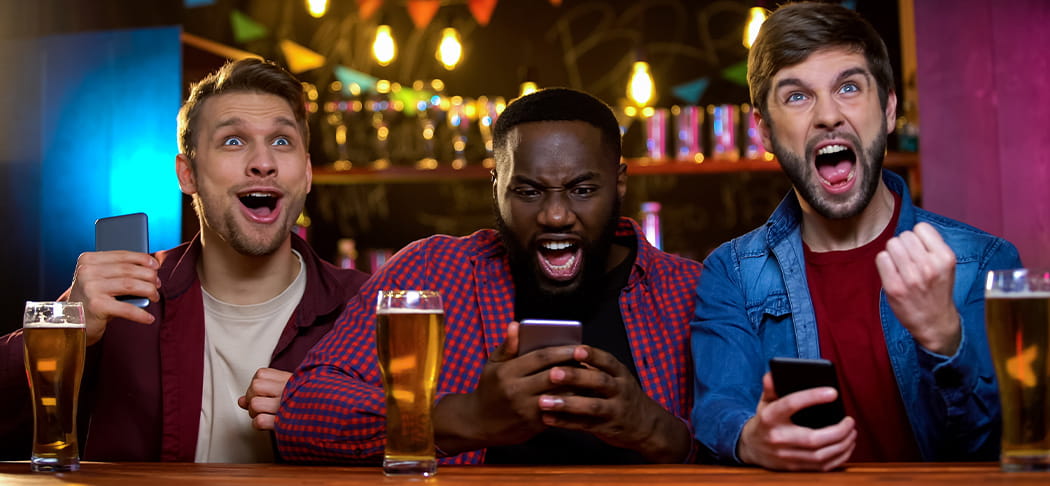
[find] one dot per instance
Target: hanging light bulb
(317, 8)
(640, 87)
(383, 48)
(450, 51)
(528, 87)
(755, 17)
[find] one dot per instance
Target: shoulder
(444, 245)
(968, 242)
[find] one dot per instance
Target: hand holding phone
(793, 374)
(126, 232)
(534, 334)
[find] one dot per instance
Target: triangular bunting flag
(299, 58)
(349, 76)
(197, 3)
(692, 91)
(245, 29)
(556, 3)
(365, 8)
(736, 73)
(482, 10)
(423, 11)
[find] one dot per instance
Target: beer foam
(410, 311)
(53, 325)
(1027, 294)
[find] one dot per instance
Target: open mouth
(835, 165)
(259, 203)
(560, 259)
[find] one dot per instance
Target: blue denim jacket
(753, 303)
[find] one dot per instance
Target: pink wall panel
(984, 104)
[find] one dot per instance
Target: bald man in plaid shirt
(561, 252)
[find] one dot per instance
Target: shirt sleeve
(965, 382)
(333, 408)
(727, 358)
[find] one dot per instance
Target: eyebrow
(843, 75)
(236, 121)
(520, 179)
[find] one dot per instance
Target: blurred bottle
(656, 135)
(752, 139)
(688, 123)
(347, 253)
(723, 132)
(651, 223)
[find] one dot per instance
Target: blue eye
(232, 141)
(795, 97)
(281, 141)
(849, 88)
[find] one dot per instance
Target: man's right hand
(503, 409)
(102, 276)
(771, 440)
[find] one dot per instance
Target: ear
(891, 111)
(183, 169)
(309, 173)
(621, 180)
(764, 130)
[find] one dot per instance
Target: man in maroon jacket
(197, 375)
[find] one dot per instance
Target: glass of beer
(1017, 317)
(53, 339)
(410, 336)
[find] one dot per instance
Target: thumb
(243, 402)
(769, 394)
(509, 347)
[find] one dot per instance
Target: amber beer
(1018, 325)
(54, 361)
(409, 343)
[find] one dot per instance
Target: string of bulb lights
(640, 86)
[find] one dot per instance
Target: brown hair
(796, 30)
(252, 75)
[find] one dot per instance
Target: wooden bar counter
(162, 474)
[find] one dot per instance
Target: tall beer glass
(1017, 311)
(53, 337)
(410, 336)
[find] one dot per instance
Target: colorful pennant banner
(300, 58)
(423, 11)
(245, 29)
(482, 10)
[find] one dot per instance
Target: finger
(242, 402)
(600, 359)
(769, 393)
(106, 309)
(900, 255)
(578, 406)
(107, 258)
(935, 244)
(826, 457)
(843, 457)
(263, 421)
(544, 358)
(509, 347)
(891, 280)
(781, 410)
(259, 405)
(596, 381)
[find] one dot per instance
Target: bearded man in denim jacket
(846, 269)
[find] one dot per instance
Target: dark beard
(548, 300)
(800, 172)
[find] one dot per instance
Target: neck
(823, 234)
(242, 279)
(617, 253)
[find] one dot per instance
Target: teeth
(556, 245)
(259, 194)
(830, 149)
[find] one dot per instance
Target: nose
(828, 114)
(556, 212)
(261, 163)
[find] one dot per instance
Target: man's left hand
(608, 402)
(264, 396)
(918, 272)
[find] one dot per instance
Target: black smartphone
(125, 232)
(794, 374)
(534, 334)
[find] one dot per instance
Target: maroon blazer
(141, 394)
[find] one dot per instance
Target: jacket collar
(178, 272)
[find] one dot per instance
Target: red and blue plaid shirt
(334, 408)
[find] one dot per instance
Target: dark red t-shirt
(845, 288)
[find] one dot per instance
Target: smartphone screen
(534, 334)
(793, 374)
(126, 232)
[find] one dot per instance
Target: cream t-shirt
(238, 340)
